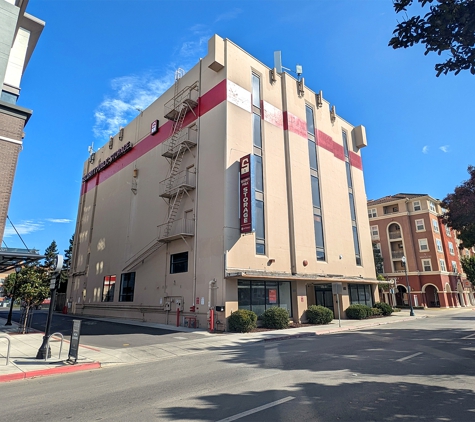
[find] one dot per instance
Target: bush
(317, 314)
(376, 312)
(276, 318)
(396, 310)
(386, 309)
(358, 312)
(242, 321)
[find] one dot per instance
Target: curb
(50, 371)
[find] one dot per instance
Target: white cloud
(194, 48)
(444, 148)
(425, 150)
(130, 94)
(25, 227)
(59, 220)
(232, 14)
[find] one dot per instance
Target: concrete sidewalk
(23, 347)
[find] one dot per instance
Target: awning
(13, 257)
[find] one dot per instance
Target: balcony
(188, 97)
(397, 254)
(395, 235)
(176, 230)
(185, 180)
(186, 139)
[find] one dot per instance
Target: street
(417, 370)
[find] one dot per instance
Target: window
(442, 265)
(260, 229)
(127, 285)
(454, 267)
(435, 224)
(256, 91)
(310, 124)
(420, 227)
(256, 130)
(108, 288)
(447, 231)
(451, 248)
(360, 294)
(319, 242)
(439, 245)
(345, 142)
(431, 206)
(312, 155)
(258, 173)
(179, 263)
(375, 232)
(357, 246)
(423, 245)
(315, 192)
(426, 264)
(372, 213)
(257, 296)
(348, 174)
(417, 205)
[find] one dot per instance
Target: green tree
(50, 256)
(448, 27)
(31, 285)
(378, 259)
(68, 254)
(468, 265)
(460, 214)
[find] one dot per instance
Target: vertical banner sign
(247, 193)
(74, 345)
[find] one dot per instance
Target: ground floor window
(361, 294)
(257, 296)
(127, 286)
(108, 288)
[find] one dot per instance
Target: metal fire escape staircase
(178, 182)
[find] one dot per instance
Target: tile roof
(396, 197)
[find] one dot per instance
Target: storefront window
(257, 296)
(361, 294)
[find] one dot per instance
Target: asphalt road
(422, 370)
(98, 333)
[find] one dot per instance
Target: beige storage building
(238, 188)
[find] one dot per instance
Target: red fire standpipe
(211, 320)
(177, 317)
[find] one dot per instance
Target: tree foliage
(468, 265)
(378, 260)
(448, 27)
(460, 214)
(50, 256)
(68, 254)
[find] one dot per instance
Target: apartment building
(411, 236)
(238, 188)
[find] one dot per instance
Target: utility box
(167, 306)
(219, 308)
(179, 304)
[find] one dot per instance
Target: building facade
(408, 227)
(238, 188)
(19, 33)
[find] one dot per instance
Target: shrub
(396, 310)
(386, 309)
(242, 321)
(317, 314)
(358, 311)
(276, 318)
(376, 312)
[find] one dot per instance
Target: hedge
(242, 321)
(317, 314)
(385, 308)
(358, 311)
(276, 318)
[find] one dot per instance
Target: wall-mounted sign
(154, 127)
(247, 193)
(108, 161)
(272, 296)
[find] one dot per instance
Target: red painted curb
(50, 371)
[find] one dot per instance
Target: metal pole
(408, 291)
(10, 313)
(44, 351)
(338, 304)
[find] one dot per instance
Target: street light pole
(10, 313)
(408, 287)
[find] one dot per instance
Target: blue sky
(98, 61)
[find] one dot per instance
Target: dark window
(310, 125)
(315, 192)
(256, 95)
(345, 143)
(352, 208)
(258, 173)
(312, 156)
(127, 285)
(179, 263)
(357, 246)
(256, 130)
(361, 294)
(318, 229)
(258, 296)
(260, 228)
(108, 288)
(348, 174)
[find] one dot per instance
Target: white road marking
(180, 338)
(409, 357)
(468, 337)
(257, 409)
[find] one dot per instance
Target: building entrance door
(324, 296)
